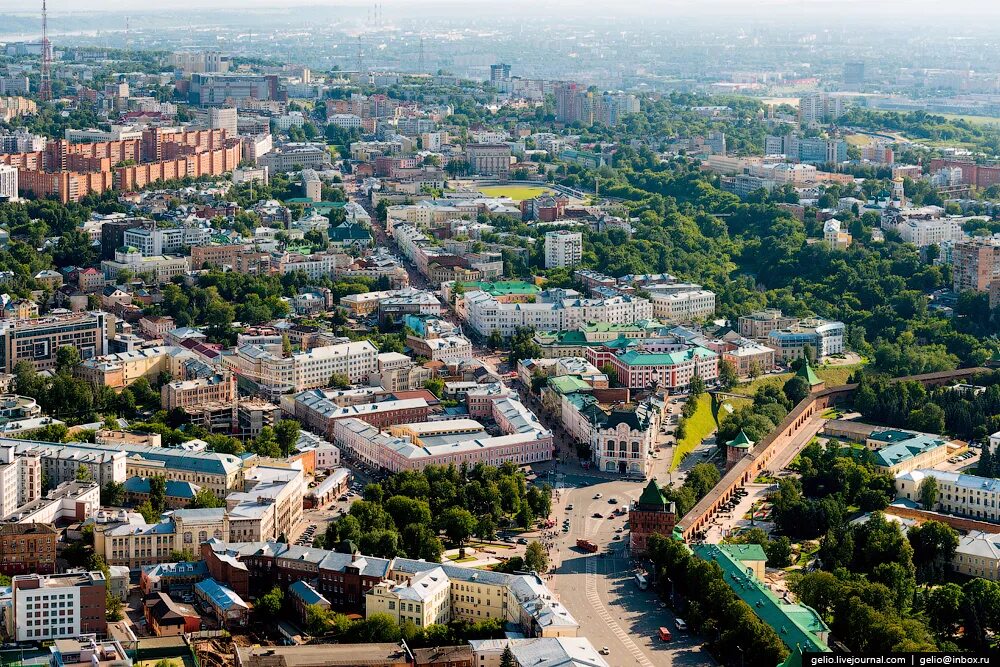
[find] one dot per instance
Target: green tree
(83, 474)
(148, 513)
(934, 544)
(697, 387)
(927, 492)
(339, 381)
(286, 432)
(435, 385)
(796, 389)
(205, 498)
(728, 377)
(113, 494)
(507, 658)
(536, 558)
(944, 605)
(268, 607)
(67, 359)
(157, 492)
(458, 524)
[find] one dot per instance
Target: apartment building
(639, 369)
(37, 341)
(357, 360)
(220, 473)
(60, 463)
(20, 480)
(27, 548)
(219, 388)
(682, 306)
(56, 606)
(269, 506)
(488, 159)
(347, 581)
(8, 183)
(824, 336)
(423, 600)
(964, 495)
(553, 310)
(563, 248)
(976, 266)
(316, 411)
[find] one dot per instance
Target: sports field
(515, 192)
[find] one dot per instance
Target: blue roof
(175, 488)
(198, 568)
(307, 593)
(221, 596)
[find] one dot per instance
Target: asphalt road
(600, 591)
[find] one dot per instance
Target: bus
(640, 581)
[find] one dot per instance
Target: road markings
(595, 600)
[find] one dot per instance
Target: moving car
(605, 650)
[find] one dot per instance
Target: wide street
(600, 590)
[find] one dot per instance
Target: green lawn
(701, 424)
(515, 192)
(831, 375)
(972, 120)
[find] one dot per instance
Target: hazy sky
(909, 7)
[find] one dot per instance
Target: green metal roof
(806, 372)
(636, 358)
(502, 287)
(741, 441)
(567, 384)
(652, 498)
(797, 625)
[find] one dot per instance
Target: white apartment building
(58, 606)
(347, 121)
(670, 307)
(357, 360)
(424, 600)
(965, 495)
(223, 118)
(563, 248)
(20, 480)
(934, 231)
(8, 183)
(314, 266)
(554, 310)
(271, 504)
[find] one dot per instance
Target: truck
(587, 545)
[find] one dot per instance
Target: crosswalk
(594, 599)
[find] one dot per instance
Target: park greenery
(410, 512)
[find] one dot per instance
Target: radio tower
(45, 89)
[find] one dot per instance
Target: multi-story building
(682, 306)
(121, 369)
(38, 340)
(423, 600)
(552, 310)
(8, 183)
(488, 159)
(156, 269)
(292, 156)
(347, 580)
(27, 548)
(56, 606)
(223, 118)
(623, 441)
(216, 89)
(640, 369)
(219, 473)
(976, 266)
(135, 543)
(965, 495)
(20, 480)
(220, 388)
(824, 336)
(563, 248)
(316, 411)
(270, 505)
(758, 325)
(818, 108)
(416, 445)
